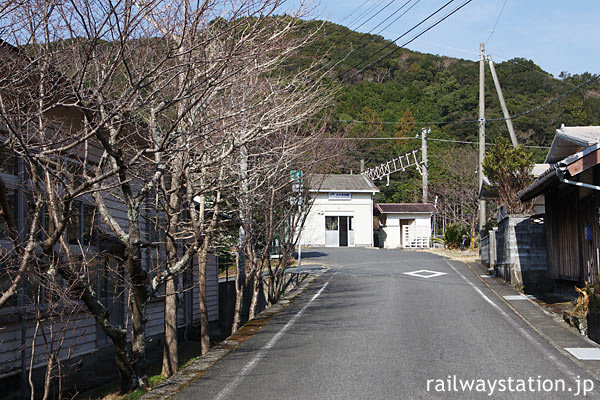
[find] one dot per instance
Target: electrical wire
(376, 14)
(370, 41)
(418, 35)
(400, 16)
(496, 24)
(391, 15)
(428, 139)
(593, 79)
(542, 73)
(365, 13)
(398, 38)
(355, 10)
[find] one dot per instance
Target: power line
(397, 18)
(543, 73)
(400, 16)
(400, 37)
(355, 10)
(466, 121)
(376, 14)
(417, 36)
(552, 101)
(496, 24)
(391, 15)
(365, 13)
(428, 138)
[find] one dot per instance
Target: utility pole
(509, 125)
(482, 213)
(424, 133)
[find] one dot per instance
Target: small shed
(404, 225)
(341, 213)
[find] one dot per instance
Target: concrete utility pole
(509, 125)
(424, 133)
(482, 213)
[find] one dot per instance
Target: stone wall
(521, 253)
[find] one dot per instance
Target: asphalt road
(366, 330)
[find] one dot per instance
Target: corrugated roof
(340, 182)
(571, 139)
(407, 208)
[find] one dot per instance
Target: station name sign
(340, 196)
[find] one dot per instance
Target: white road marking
(245, 371)
(424, 273)
(584, 353)
(515, 297)
(559, 364)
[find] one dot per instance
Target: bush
(453, 235)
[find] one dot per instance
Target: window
(74, 227)
(350, 223)
(43, 223)
(331, 223)
(5, 282)
(90, 225)
(8, 162)
(83, 224)
(11, 196)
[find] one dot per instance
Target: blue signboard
(588, 232)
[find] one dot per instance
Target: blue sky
(556, 35)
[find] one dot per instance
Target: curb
(199, 367)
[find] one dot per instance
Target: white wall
(360, 207)
(392, 232)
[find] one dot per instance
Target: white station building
(341, 214)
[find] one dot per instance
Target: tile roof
(340, 182)
(397, 208)
(571, 139)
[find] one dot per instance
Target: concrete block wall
(484, 251)
(521, 253)
(487, 250)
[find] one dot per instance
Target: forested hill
(442, 89)
(407, 90)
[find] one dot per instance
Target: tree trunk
(239, 304)
(204, 338)
(170, 361)
(256, 282)
(127, 378)
(240, 290)
(140, 300)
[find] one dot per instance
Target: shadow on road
(311, 254)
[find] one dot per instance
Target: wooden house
(571, 189)
(25, 342)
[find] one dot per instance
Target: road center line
(245, 371)
(559, 364)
